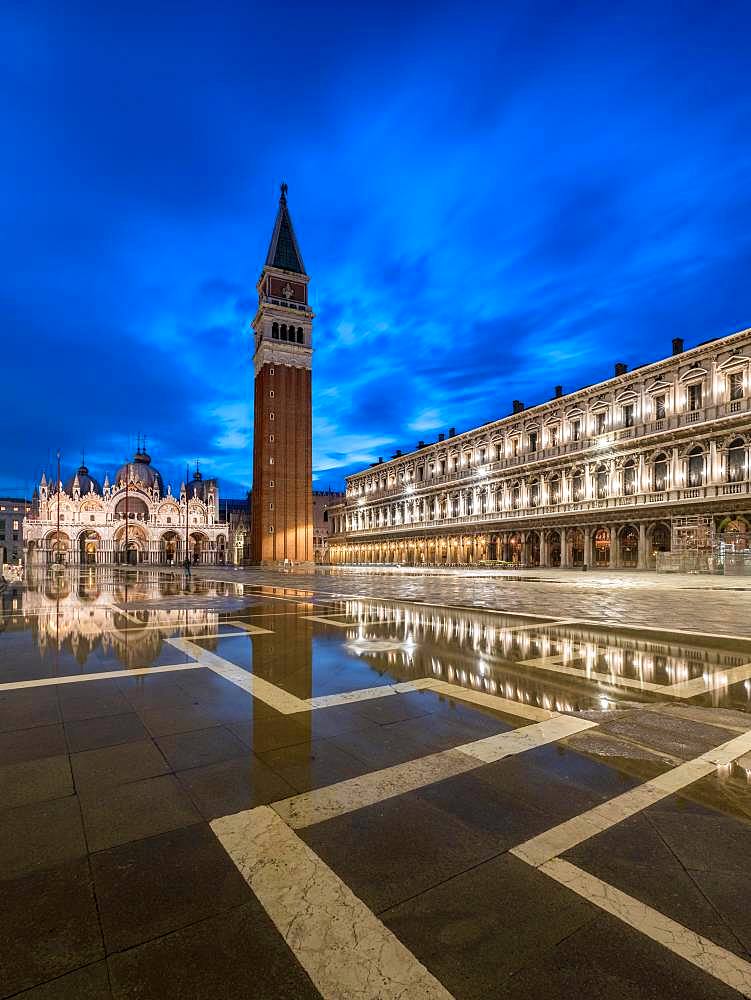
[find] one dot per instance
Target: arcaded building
(612, 476)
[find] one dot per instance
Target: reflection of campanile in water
(284, 658)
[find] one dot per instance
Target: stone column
(642, 556)
(588, 546)
(713, 470)
(544, 549)
(614, 560)
(564, 549)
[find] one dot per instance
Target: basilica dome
(85, 482)
(197, 486)
(140, 473)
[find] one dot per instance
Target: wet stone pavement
(362, 786)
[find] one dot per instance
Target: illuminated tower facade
(282, 513)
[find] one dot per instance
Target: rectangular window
(735, 384)
(271, 506)
(694, 397)
(15, 525)
(271, 371)
(271, 529)
(271, 460)
(533, 441)
(659, 407)
(271, 438)
(271, 483)
(271, 416)
(271, 393)
(600, 423)
(553, 437)
(515, 447)
(628, 415)
(576, 430)
(443, 467)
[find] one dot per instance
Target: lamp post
(127, 511)
(59, 557)
(187, 507)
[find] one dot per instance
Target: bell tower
(282, 512)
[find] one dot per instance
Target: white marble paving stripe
(345, 949)
(552, 664)
(366, 694)
(720, 678)
(683, 689)
(494, 701)
(330, 621)
(127, 614)
(102, 676)
(540, 626)
(700, 951)
(266, 692)
(321, 804)
(561, 838)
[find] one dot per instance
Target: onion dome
(86, 483)
(139, 473)
(197, 486)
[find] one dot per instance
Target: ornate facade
(598, 477)
(133, 520)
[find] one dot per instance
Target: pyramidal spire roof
(283, 249)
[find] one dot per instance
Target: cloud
(477, 230)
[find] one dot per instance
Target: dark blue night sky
(490, 200)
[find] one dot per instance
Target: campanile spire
(282, 513)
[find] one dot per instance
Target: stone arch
(628, 546)
(601, 546)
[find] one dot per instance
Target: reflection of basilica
(133, 520)
(85, 614)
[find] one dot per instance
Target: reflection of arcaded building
(132, 520)
(598, 477)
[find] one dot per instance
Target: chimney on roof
(420, 444)
(677, 345)
(380, 459)
(452, 431)
(441, 437)
(517, 406)
(558, 391)
(620, 368)
(398, 453)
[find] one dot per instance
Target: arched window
(736, 461)
(696, 467)
(299, 335)
(660, 472)
(275, 331)
(601, 479)
(629, 478)
(577, 485)
(284, 331)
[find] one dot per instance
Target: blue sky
(490, 199)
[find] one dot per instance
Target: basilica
(133, 519)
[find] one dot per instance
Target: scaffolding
(693, 546)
